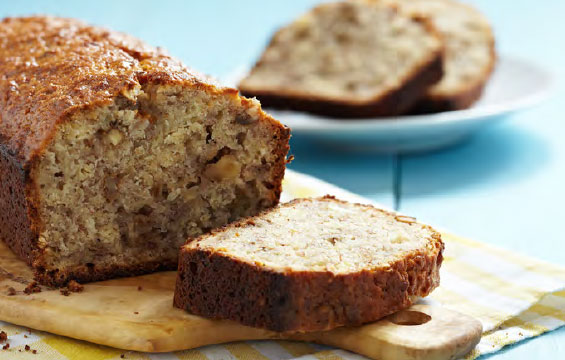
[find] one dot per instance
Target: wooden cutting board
(137, 314)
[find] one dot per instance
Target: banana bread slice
(112, 153)
(348, 59)
(469, 52)
(309, 265)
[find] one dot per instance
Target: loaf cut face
(348, 59)
(309, 265)
(469, 52)
(112, 153)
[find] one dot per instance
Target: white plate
(514, 85)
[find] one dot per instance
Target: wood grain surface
(137, 314)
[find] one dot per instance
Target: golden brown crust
(216, 285)
(395, 102)
(51, 69)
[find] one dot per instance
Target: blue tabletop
(505, 186)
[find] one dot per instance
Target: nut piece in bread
(113, 153)
(309, 265)
(348, 59)
(469, 52)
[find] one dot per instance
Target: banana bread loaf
(309, 265)
(113, 153)
(348, 59)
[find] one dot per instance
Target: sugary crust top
(51, 67)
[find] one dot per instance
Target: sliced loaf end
(148, 171)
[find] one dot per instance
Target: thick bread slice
(348, 59)
(309, 265)
(113, 153)
(469, 52)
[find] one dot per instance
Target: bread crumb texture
(155, 167)
(325, 235)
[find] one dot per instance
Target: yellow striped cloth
(514, 296)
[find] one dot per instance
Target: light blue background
(504, 186)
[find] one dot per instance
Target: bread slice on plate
(469, 52)
(113, 153)
(309, 265)
(348, 59)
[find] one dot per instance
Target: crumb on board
(11, 291)
(27, 348)
(139, 288)
(3, 336)
(136, 312)
(25, 336)
(34, 351)
(32, 287)
(72, 286)
(6, 347)
(122, 356)
(75, 286)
